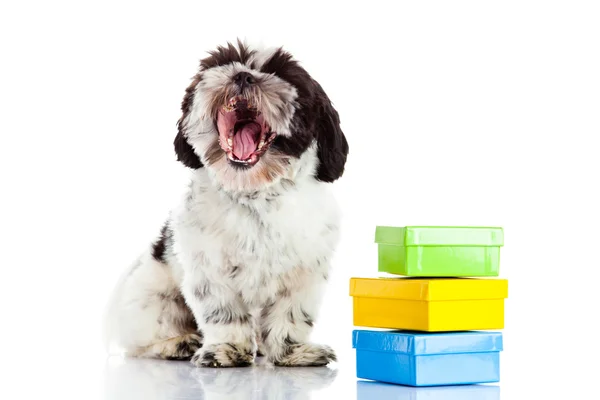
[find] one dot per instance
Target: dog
(239, 267)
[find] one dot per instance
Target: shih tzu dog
(240, 265)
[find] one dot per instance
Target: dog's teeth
(230, 142)
(261, 144)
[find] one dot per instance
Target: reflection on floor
(380, 391)
(132, 379)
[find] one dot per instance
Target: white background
(457, 113)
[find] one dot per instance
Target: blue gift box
(383, 391)
(428, 359)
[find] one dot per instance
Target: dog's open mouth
(243, 132)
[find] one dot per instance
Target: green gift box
(449, 251)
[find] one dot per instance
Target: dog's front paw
(223, 355)
(305, 355)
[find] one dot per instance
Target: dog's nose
(244, 79)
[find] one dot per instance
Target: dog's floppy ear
(332, 147)
(183, 149)
(185, 152)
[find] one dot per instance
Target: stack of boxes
(438, 323)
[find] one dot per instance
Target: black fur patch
(224, 55)
(160, 246)
(177, 358)
(288, 341)
(307, 318)
(234, 271)
(332, 148)
(184, 151)
(239, 166)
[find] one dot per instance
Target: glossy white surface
(131, 379)
(148, 379)
(155, 379)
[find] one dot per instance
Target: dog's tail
(111, 311)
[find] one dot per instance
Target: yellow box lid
(429, 289)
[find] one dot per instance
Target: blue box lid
(420, 343)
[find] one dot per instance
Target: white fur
(282, 239)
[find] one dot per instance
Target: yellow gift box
(431, 305)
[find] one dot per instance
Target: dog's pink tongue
(245, 141)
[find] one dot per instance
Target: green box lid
(440, 235)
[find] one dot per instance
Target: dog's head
(250, 115)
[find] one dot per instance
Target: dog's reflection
(134, 379)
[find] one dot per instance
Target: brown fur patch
(219, 99)
(214, 153)
(178, 348)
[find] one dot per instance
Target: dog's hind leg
(150, 318)
(175, 334)
(177, 348)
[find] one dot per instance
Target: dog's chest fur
(258, 244)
